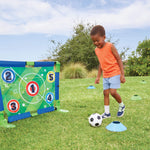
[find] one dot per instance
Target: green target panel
(26, 90)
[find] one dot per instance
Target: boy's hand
(97, 80)
(122, 78)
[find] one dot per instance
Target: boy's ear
(104, 37)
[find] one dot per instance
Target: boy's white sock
(106, 109)
(121, 104)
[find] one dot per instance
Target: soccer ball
(95, 120)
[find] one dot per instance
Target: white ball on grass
(95, 120)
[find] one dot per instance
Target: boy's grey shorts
(111, 83)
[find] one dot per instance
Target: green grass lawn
(71, 131)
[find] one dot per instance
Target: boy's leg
(106, 114)
(106, 97)
(118, 99)
(114, 93)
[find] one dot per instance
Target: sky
(27, 26)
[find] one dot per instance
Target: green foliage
(143, 49)
(139, 63)
(72, 71)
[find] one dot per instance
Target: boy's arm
(98, 75)
(99, 71)
(115, 53)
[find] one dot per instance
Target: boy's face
(98, 40)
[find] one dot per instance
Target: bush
(93, 73)
(73, 71)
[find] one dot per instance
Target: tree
(139, 62)
(143, 49)
(123, 53)
(79, 48)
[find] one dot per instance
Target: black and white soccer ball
(95, 120)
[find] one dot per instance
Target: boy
(112, 67)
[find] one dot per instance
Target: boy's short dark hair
(98, 29)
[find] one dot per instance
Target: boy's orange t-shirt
(107, 61)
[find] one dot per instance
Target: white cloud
(37, 16)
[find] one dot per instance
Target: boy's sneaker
(121, 111)
(104, 115)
